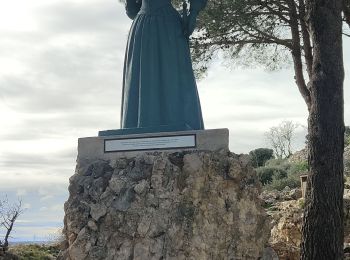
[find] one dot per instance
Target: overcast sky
(60, 79)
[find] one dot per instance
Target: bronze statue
(159, 87)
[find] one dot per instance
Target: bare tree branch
(280, 138)
(306, 38)
(9, 214)
(296, 54)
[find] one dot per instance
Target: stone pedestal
(191, 204)
(90, 148)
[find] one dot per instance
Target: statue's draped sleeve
(132, 7)
(197, 5)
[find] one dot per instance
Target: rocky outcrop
(193, 205)
(299, 156)
(272, 197)
(286, 209)
(286, 232)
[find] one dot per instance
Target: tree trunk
(9, 229)
(323, 218)
(346, 10)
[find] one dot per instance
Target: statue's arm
(195, 7)
(132, 8)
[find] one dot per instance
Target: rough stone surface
(299, 156)
(161, 205)
(272, 197)
(347, 161)
(270, 254)
(286, 213)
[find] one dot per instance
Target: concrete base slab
(205, 140)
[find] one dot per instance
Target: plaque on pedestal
(107, 147)
(150, 143)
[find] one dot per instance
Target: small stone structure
(303, 184)
(164, 205)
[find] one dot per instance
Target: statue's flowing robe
(159, 87)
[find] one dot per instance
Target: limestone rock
(347, 161)
(161, 205)
(272, 197)
(286, 232)
(270, 254)
(97, 211)
(299, 156)
(92, 225)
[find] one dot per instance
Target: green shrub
(267, 174)
(298, 168)
(279, 173)
(276, 162)
(280, 184)
(259, 156)
(264, 175)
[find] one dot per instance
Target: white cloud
(26, 206)
(32, 180)
(46, 197)
(21, 192)
(15, 15)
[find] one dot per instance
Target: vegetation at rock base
(268, 174)
(280, 173)
(35, 252)
(276, 174)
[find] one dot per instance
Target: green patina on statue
(159, 87)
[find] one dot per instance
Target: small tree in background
(280, 138)
(8, 216)
(259, 156)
